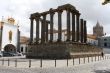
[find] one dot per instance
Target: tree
(105, 2)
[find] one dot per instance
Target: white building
(104, 41)
(23, 44)
(92, 39)
(9, 35)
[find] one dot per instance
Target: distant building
(98, 30)
(104, 41)
(92, 39)
(23, 44)
(9, 35)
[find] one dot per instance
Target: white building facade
(9, 36)
(104, 41)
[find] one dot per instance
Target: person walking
(102, 54)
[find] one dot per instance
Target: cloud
(21, 10)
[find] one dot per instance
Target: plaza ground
(98, 66)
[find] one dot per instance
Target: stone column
(46, 31)
(59, 25)
(43, 29)
(37, 29)
(68, 25)
(18, 40)
(31, 31)
(82, 35)
(73, 27)
(1, 35)
(51, 25)
(85, 32)
(77, 27)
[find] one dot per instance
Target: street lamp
(105, 2)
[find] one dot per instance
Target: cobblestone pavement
(96, 67)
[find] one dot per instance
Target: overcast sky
(20, 10)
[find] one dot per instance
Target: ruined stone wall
(50, 51)
(59, 51)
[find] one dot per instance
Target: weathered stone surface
(48, 51)
(59, 50)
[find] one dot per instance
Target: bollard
(92, 58)
(95, 58)
(79, 60)
(29, 63)
(73, 61)
(67, 62)
(98, 57)
(105, 57)
(8, 62)
(2, 61)
(84, 60)
(55, 62)
(16, 63)
(88, 59)
(41, 63)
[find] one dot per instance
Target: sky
(91, 10)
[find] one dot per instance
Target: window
(10, 35)
(21, 49)
(105, 44)
(105, 39)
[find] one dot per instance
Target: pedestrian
(102, 54)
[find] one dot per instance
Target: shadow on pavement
(102, 71)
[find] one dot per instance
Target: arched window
(21, 49)
(105, 44)
(10, 35)
(105, 39)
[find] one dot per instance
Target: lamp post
(105, 2)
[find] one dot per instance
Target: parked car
(7, 54)
(1, 54)
(19, 54)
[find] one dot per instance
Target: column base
(50, 41)
(73, 40)
(67, 40)
(58, 40)
(29, 43)
(36, 42)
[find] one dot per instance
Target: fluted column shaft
(77, 21)
(73, 27)
(85, 32)
(43, 29)
(59, 26)
(82, 35)
(51, 26)
(37, 29)
(68, 25)
(46, 32)
(31, 31)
